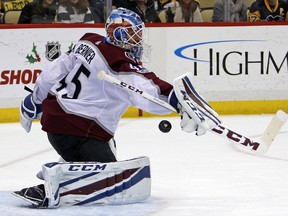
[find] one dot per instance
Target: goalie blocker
(79, 183)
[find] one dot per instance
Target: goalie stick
(258, 146)
(274, 127)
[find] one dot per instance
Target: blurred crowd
(151, 11)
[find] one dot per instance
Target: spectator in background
(268, 10)
(183, 11)
(188, 11)
(160, 4)
(74, 11)
(238, 11)
(97, 8)
(121, 3)
(38, 12)
(1, 12)
(164, 4)
(145, 9)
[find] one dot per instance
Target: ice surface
(201, 176)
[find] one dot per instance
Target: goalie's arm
(31, 105)
(103, 76)
(234, 137)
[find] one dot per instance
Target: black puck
(165, 126)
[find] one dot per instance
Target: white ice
(201, 176)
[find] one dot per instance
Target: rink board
(243, 72)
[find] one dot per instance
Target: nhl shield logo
(52, 50)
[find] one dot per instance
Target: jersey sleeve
(50, 75)
(151, 84)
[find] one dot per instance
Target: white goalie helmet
(125, 29)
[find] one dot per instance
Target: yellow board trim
(9, 115)
(223, 108)
(249, 107)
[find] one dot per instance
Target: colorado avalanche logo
(52, 50)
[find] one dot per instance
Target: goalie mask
(125, 29)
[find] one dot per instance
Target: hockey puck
(165, 126)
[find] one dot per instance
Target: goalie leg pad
(97, 183)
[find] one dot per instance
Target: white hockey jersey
(76, 102)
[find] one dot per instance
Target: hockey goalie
(80, 114)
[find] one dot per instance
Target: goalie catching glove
(196, 114)
(29, 111)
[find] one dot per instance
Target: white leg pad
(97, 183)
